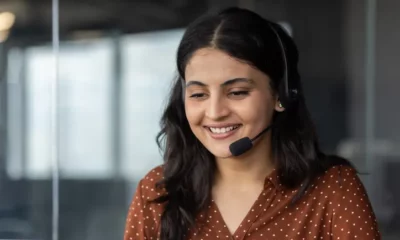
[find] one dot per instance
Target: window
(147, 72)
(86, 122)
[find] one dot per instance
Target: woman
(238, 79)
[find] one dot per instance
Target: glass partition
(116, 65)
(26, 74)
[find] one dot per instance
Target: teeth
(222, 130)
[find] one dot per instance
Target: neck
(250, 168)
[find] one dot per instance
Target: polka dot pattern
(335, 207)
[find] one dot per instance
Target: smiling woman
(229, 94)
(238, 78)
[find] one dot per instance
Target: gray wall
(322, 60)
(387, 82)
(381, 182)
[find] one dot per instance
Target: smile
(220, 133)
(223, 130)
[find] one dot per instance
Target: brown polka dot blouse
(336, 207)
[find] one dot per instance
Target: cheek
(251, 115)
(257, 109)
(193, 114)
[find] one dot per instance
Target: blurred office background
(116, 63)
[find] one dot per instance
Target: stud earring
(280, 105)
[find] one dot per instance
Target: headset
(287, 96)
(288, 93)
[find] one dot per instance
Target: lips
(223, 129)
(221, 132)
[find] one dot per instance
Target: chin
(222, 152)
(226, 155)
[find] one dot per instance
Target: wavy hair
(188, 166)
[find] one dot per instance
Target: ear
(278, 106)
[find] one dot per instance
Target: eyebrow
(224, 84)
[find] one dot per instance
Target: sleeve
(139, 219)
(353, 217)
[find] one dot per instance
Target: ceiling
(33, 22)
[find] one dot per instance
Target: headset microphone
(244, 144)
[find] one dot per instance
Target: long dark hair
(188, 166)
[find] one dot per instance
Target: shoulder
(349, 204)
(143, 216)
(352, 211)
(339, 184)
(147, 186)
(345, 187)
(340, 178)
(153, 176)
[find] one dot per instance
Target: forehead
(210, 65)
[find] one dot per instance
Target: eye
(197, 95)
(239, 93)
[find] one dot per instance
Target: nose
(217, 108)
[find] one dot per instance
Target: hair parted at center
(189, 168)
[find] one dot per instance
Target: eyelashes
(197, 95)
(239, 93)
(232, 94)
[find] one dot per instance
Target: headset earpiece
(287, 92)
